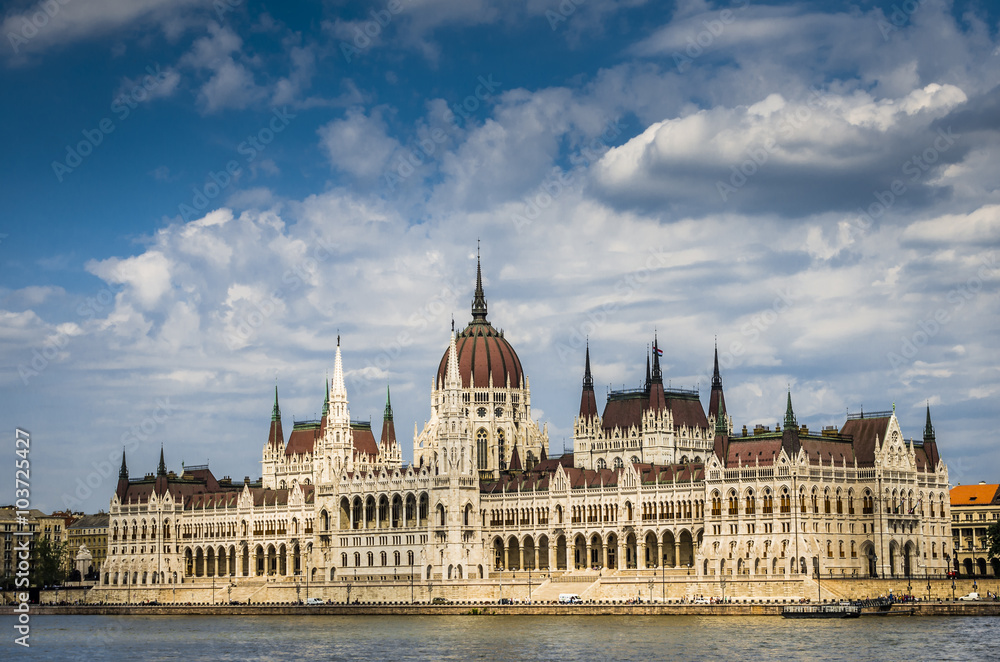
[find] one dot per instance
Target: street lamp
(650, 584)
(663, 579)
(953, 590)
(529, 584)
(411, 580)
(928, 587)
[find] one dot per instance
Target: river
(562, 638)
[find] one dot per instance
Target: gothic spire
(161, 470)
(928, 428)
(790, 423)
(275, 411)
(649, 379)
(716, 376)
(338, 389)
(721, 424)
(388, 405)
(123, 472)
(657, 375)
(588, 379)
(326, 400)
(479, 301)
(588, 401)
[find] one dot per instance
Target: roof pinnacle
(790, 423)
(588, 379)
(388, 405)
(275, 411)
(479, 300)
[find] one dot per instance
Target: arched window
(601, 464)
(482, 449)
(618, 463)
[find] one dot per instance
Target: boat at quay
(822, 611)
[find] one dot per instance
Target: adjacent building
(90, 532)
(973, 509)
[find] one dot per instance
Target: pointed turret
(717, 401)
(930, 443)
(122, 488)
(326, 399)
(588, 401)
(479, 300)
(515, 460)
(453, 378)
(790, 423)
(161, 484)
(275, 437)
(388, 428)
(657, 375)
(649, 374)
(657, 398)
(337, 386)
(790, 431)
(721, 445)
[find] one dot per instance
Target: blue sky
(199, 196)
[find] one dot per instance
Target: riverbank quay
(982, 608)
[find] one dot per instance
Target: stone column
(604, 554)
(538, 552)
(553, 555)
(640, 554)
(620, 562)
(520, 555)
(586, 561)
(677, 553)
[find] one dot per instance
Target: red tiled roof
(975, 495)
(303, 439)
(863, 432)
(364, 441)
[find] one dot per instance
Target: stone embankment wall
(739, 609)
(592, 588)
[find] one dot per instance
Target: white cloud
(358, 144)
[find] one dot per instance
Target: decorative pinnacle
(161, 470)
(928, 428)
(388, 405)
(790, 423)
(588, 379)
(716, 376)
(123, 472)
(721, 425)
(275, 411)
(479, 300)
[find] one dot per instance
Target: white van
(570, 599)
(314, 601)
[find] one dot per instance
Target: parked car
(440, 601)
(702, 601)
(970, 596)
(505, 601)
(314, 601)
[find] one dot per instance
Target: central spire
(588, 379)
(161, 469)
(479, 301)
(716, 376)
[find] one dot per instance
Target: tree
(993, 540)
(48, 567)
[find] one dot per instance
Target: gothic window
(619, 463)
(498, 412)
(601, 464)
(482, 449)
(481, 412)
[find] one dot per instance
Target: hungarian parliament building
(654, 481)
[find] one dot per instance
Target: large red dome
(483, 352)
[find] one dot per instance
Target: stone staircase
(579, 582)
